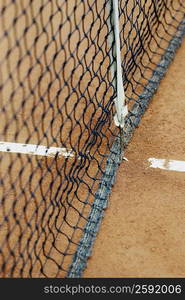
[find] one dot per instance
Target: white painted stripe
(167, 164)
(34, 149)
(120, 102)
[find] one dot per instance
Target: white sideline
(34, 149)
(167, 164)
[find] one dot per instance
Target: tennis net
(59, 146)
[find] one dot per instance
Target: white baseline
(167, 164)
(34, 149)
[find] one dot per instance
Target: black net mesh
(57, 105)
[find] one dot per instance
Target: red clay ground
(25, 118)
(142, 234)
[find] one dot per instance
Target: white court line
(34, 149)
(167, 164)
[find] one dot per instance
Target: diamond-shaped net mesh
(57, 95)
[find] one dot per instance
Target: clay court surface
(142, 233)
(35, 112)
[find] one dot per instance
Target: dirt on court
(142, 233)
(45, 100)
(54, 91)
